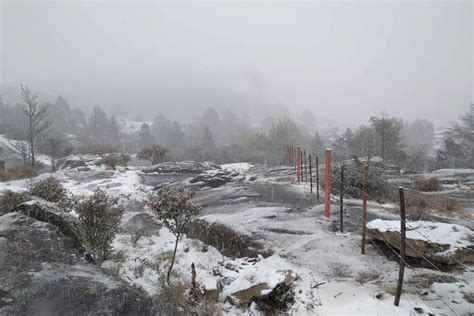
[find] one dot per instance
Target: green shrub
(115, 159)
(9, 200)
(99, 216)
(49, 189)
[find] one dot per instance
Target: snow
(300, 239)
(240, 167)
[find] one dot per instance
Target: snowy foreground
(330, 275)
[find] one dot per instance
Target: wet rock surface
(42, 273)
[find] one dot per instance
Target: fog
(343, 61)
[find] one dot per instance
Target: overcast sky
(342, 60)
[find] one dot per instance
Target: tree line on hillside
(57, 130)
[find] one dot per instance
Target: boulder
(48, 212)
(447, 244)
(42, 273)
(72, 163)
(269, 295)
(182, 167)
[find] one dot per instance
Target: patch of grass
(17, 173)
(341, 271)
(425, 280)
(365, 277)
(427, 184)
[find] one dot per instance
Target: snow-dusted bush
(378, 187)
(49, 189)
(175, 208)
(9, 200)
(99, 216)
(115, 159)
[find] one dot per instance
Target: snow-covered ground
(331, 276)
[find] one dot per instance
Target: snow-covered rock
(439, 242)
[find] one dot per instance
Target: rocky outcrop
(444, 254)
(183, 167)
(45, 211)
(269, 295)
(43, 273)
(216, 178)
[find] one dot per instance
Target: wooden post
(294, 156)
(341, 201)
(364, 209)
(327, 194)
(301, 166)
(317, 179)
(298, 154)
(291, 155)
(401, 270)
(310, 176)
(305, 167)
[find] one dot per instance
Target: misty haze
(236, 158)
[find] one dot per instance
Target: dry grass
(17, 173)
(427, 184)
(341, 271)
(365, 277)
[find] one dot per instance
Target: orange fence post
(327, 195)
(305, 170)
(317, 178)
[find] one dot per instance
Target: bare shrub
(17, 173)
(420, 206)
(115, 159)
(99, 216)
(154, 154)
(9, 200)
(427, 185)
(98, 149)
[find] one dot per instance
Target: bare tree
(37, 120)
(20, 148)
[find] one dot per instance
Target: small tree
(154, 154)
(100, 217)
(175, 208)
(37, 120)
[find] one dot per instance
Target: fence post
(301, 166)
(305, 168)
(310, 175)
(402, 247)
(327, 195)
(364, 209)
(317, 179)
(298, 153)
(341, 201)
